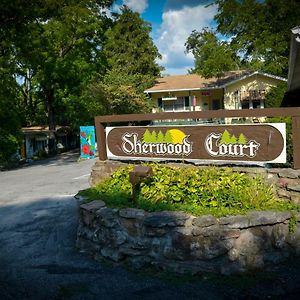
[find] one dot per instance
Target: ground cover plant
(199, 191)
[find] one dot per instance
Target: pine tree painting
(147, 137)
(242, 139)
(168, 137)
(225, 139)
(233, 139)
(160, 137)
(153, 137)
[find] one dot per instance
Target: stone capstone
(165, 218)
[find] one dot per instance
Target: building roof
(197, 82)
(42, 129)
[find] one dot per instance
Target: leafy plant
(217, 191)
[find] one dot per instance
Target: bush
(194, 190)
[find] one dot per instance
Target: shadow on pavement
(38, 260)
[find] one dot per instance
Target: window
(216, 104)
(245, 104)
(180, 104)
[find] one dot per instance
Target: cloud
(177, 25)
(137, 5)
(179, 4)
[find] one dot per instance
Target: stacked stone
(182, 243)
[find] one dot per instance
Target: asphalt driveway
(38, 258)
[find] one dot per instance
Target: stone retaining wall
(183, 243)
(286, 182)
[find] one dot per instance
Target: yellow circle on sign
(177, 136)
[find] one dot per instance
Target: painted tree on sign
(233, 139)
(160, 137)
(147, 136)
(168, 137)
(153, 137)
(242, 139)
(225, 139)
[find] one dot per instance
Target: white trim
(182, 90)
(252, 74)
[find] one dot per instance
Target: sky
(172, 22)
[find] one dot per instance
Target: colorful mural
(87, 142)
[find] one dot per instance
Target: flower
(85, 149)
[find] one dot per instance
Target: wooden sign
(237, 143)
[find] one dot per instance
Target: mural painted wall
(87, 142)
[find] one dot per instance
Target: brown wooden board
(239, 143)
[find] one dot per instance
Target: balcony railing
(253, 95)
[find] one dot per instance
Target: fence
(293, 112)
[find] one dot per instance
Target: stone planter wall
(183, 243)
(286, 182)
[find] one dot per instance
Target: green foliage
(10, 135)
(212, 56)
(198, 191)
(129, 46)
(117, 93)
(54, 49)
(275, 95)
(255, 35)
(130, 56)
(293, 223)
(260, 30)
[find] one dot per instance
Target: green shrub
(217, 191)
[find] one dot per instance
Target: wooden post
(296, 141)
(101, 140)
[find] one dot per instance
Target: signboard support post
(296, 141)
(101, 140)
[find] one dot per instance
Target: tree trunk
(51, 120)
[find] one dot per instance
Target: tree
(62, 53)
(119, 93)
(275, 95)
(129, 45)
(131, 65)
(212, 56)
(259, 30)
(10, 136)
